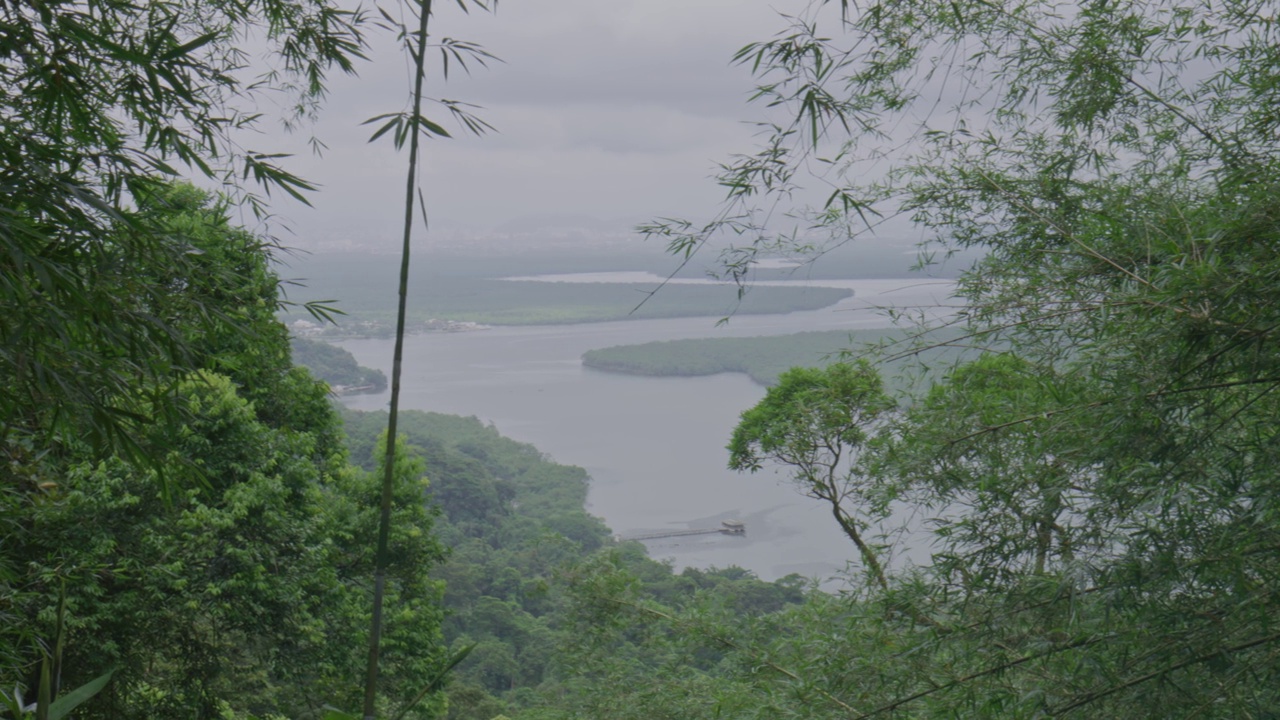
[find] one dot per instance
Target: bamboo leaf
(392, 124)
(437, 680)
(432, 127)
(69, 701)
(189, 47)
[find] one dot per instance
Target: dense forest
(208, 552)
(188, 522)
(520, 544)
(1097, 476)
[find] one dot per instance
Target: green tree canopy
(240, 590)
(1103, 483)
(100, 105)
(816, 421)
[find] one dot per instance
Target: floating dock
(727, 527)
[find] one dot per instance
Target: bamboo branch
(1099, 694)
(381, 559)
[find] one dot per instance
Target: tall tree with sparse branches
(409, 127)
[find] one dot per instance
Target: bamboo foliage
(409, 128)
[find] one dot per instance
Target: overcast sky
(616, 110)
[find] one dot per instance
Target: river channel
(654, 447)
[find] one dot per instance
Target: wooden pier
(727, 527)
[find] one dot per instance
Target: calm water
(654, 446)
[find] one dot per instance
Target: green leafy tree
(815, 421)
(241, 594)
(1104, 489)
(106, 304)
(113, 299)
(240, 591)
(194, 598)
(102, 105)
(1012, 502)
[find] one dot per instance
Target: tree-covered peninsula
(452, 290)
(336, 367)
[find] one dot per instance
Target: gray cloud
(615, 109)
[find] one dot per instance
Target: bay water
(654, 447)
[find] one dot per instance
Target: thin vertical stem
(388, 477)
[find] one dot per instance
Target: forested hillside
(181, 534)
(518, 537)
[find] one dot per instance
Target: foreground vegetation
(219, 570)
(184, 534)
(1099, 485)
